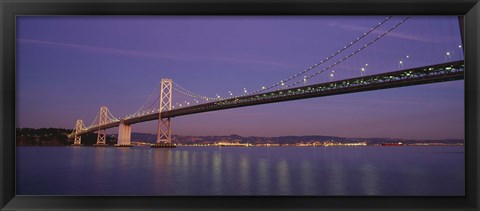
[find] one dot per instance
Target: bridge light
(459, 46)
(401, 62)
(366, 65)
(408, 56)
(448, 53)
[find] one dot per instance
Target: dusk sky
(68, 67)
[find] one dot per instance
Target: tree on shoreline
(53, 137)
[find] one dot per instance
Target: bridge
(292, 88)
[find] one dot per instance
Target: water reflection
(370, 179)
(162, 159)
(205, 162)
(193, 159)
(230, 169)
(307, 178)
(244, 175)
(239, 171)
(217, 176)
(100, 155)
(124, 155)
(185, 166)
(263, 181)
(336, 179)
(283, 177)
(76, 162)
(176, 158)
(416, 174)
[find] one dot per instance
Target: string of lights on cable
(350, 55)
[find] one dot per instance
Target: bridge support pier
(124, 135)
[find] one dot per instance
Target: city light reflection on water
(283, 177)
(241, 171)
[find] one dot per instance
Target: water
(353, 171)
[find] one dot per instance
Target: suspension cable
(353, 53)
(111, 118)
(282, 82)
(93, 120)
(148, 99)
(153, 103)
(189, 93)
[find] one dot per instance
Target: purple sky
(67, 67)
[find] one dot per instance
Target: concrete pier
(124, 135)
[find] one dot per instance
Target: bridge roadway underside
(415, 76)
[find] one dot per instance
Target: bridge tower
(164, 138)
(103, 119)
(78, 128)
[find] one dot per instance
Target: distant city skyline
(67, 67)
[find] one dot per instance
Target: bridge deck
(421, 75)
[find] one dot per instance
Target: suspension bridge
(295, 87)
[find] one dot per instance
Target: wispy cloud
(123, 52)
(395, 34)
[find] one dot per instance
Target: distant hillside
(145, 137)
(58, 137)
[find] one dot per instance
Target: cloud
(395, 34)
(123, 52)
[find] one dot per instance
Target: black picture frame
(9, 9)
